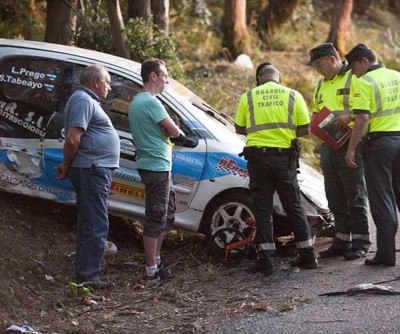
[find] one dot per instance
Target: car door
(127, 191)
(187, 165)
(29, 94)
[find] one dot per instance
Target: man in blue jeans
(91, 153)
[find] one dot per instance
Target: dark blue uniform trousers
(382, 174)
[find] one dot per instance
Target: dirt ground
(36, 266)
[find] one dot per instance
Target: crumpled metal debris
(365, 288)
(13, 329)
(25, 164)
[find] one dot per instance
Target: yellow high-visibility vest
(334, 94)
(378, 91)
(271, 114)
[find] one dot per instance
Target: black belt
(272, 150)
(380, 134)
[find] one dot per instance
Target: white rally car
(211, 180)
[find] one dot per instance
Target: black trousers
(270, 173)
(382, 174)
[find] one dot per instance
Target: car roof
(91, 55)
(174, 89)
(79, 55)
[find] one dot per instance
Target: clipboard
(322, 127)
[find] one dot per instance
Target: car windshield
(208, 122)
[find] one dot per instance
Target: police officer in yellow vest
(272, 116)
(344, 186)
(376, 108)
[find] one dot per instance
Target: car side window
(29, 91)
(119, 99)
(117, 103)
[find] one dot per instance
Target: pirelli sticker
(127, 190)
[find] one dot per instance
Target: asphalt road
(312, 313)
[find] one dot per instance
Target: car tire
(223, 238)
(227, 210)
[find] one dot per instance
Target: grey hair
(92, 72)
(268, 69)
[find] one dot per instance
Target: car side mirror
(184, 141)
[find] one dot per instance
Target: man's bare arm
(358, 132)
(303, 131)
(240, 129)
(71, 144)
(170, 128)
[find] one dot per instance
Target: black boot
(359, 249)
(306, 259)
(263, 265)
(336, 249)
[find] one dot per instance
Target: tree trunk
(61, 21)
(160, 11)
(139, 8)
(361, 7)
(236, 38)
(145, 8)
(277, 13)
(394, 6)
(121, 44)
(340, 25)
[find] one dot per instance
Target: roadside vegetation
(208, 71)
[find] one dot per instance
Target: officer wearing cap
(344, 186)
(376, 105)
(272, 116)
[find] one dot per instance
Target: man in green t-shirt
(151, 127)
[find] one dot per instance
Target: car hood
(311, 183)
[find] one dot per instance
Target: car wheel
(229, 246)
(228, 210)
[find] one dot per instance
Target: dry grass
(37, 243)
